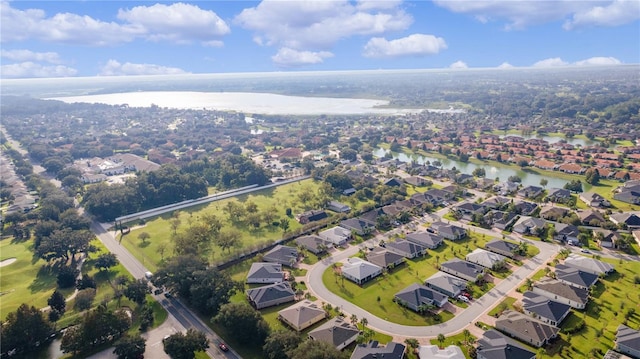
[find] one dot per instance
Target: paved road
(457, 324)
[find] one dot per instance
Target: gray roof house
(463, 269)
(630, 219)
(594, 200)
(425, 239)
(530, 192)
(628, 341)
(313, 244)
(302, 315)
(406, 248)
(525, 328)
(590, 265)
(566, 233)
(360, 271)
(495, 345)
(502, 247)
(337, 236)
(575, 277)
(360, 226)
(270, 295)
(261, 272)
(560, 195)
(528, 225)
(416, 295)
(338, 207)
(562, 292)
(372, 350)
(385, 259)
(434, 352)
(449, 231)
(485, 258)
(284, 255)
(544, 309)
(336, 332)
(446, 284)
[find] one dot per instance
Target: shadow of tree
(45, 279)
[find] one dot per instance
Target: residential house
(438, 196)
(591, 218)
(544, 309)
(415, 181)
(529, 225)
(393, 182)
(562, 292)
(628, 341)
(360, 271)
(313, 244)
(494, 345)
(500, 219)
(338, 207)
(385, 258)
(609, 239)
(528, 330)
(359, 226)
(372, 216)
(453, 190)
(572, 168)
(469, 210)
(496, 202)
(311, 216)
(590, 265)
(449, 231)
(553, 213)
(505, 248)
(463, 269)
(425, 239)
(575, 277)
(373, 350)
(285, 255)
(261, 272)
(434, 352)
(406, 248)
(631, 220)
(337, 236)
(486, 259)
(593, 199)
(270, 295)
(446, 284)
(485, 183)
(629, 192)
(525, 208)
(302, 315)
(566, 233)
(530, 192)
(558, 195)
(291, 153)
(349, 191)
(336, 332)
(417, 295)
(506, 188)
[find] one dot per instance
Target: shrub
(575, 328)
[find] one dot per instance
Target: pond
(492, 171)
(554, 139)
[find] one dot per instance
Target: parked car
(223, 347)
(158, 291)
(462, 298)
(466, 294)
(168, 295)
(585, 251)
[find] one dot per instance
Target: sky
(115, 38)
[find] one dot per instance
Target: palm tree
(354, 319)
(364, 322)
(437, 260)
(466, 333)
(412, 343)
(441, 339)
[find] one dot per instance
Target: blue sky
(108, 38)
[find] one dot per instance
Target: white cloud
(377, 4)
(551, 62)
(287, 57)
(520, 14)
(115, 68)
(177, 22)
(505, 65)
(412, 45)
(181, 23)
(592, 61)
(598, 61)
(28, 55)
(317, 25)
(31, 69)
(458, 65)
(618, 12)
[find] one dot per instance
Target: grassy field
(507, 303)
(377, 295)
(25, 280)
(458, 340)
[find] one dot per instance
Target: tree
(130, 347)
(146, 317)
(364, 322)
(143, 236)
(592, 176)
(412, 343)
(280, 342)
(316, 349)
(106, 261)
(66, 276)
(228, 239)
(353, 319)
(284, 224)
(244, 323)
(184, 346)
(162, 247)
(574, 186)
(64, 244)
(137, 290)
(24, 329)
(441, 338)
(467, 334)
(86, 281)
(98, 326)
(544, 182)
(176, 274)
(479, 172)
(57, 302)
(211, 289)
(84, 299)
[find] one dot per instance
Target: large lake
(503, 173)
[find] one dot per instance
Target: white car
(462, 298)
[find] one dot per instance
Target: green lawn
(458, 340)
(507, 303)
(28, 279)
